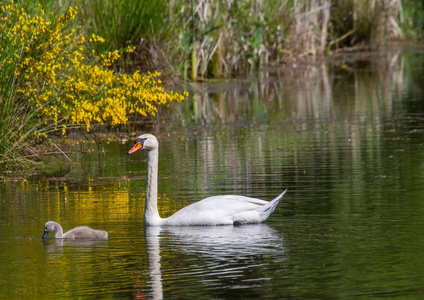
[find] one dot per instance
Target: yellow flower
(54, 77)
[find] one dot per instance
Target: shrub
(53, 76)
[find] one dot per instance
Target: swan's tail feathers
(279, 197)
(273, 204)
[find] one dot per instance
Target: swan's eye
(141, 140)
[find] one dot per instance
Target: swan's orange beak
(137, 146)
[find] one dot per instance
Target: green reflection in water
(347, 140)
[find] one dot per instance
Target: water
(347, 140)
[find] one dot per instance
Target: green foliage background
(222, 38)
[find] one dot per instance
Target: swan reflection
(152, 234)
(55, 246)
(218, 243)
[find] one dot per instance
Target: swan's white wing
(218, 210)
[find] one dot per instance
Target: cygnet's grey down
(82, 232)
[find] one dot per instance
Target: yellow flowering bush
(52, 76)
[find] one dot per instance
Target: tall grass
(413, 19)
(18, 119)
(145, 24)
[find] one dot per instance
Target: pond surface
(346, 138)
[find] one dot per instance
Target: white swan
(216, 210)
(82, 232)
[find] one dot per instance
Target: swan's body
(216, 210)
(82, 232)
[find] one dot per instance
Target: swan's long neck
(59, 231)
(151, 213)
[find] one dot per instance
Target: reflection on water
(226, 242)
(152, 235)
(346, 138)
(84, 244)
(228, 252)
(319, 92)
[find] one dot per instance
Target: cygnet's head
(49, 227)
(145, 141)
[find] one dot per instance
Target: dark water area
(346, 138)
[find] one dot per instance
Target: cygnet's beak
(45, 233)
(137, 146)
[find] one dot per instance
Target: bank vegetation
(54, 77)
(199, 39)
(75, 63)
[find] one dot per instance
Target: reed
(224, 38)
(199, 39)
(367, 23)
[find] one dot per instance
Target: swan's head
(145, 141)
(49, 227)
